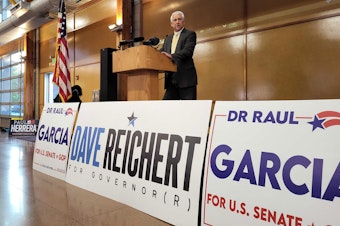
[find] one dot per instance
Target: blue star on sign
(132, 119)
(317, 123)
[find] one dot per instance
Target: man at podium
(179, 47)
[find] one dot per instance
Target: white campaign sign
(53, 138)
(146, 154)
(273, 163)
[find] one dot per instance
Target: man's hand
(167, 54)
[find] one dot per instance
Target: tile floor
(31, 198)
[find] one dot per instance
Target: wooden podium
(140, 66)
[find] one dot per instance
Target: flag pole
(62, 77)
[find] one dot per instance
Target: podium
(139, 67)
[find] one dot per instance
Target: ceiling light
(20, 9)
(115, 27)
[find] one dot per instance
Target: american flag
(62, 69)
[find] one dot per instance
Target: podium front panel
(142, 85)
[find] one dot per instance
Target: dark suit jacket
(186, 75)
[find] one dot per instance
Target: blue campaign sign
(273, 163)
(23, 127)
(146, 154)
(53, 138)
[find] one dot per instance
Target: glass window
(5, 85)
(16, 110)
(16, 57)
(16, 70)
(6, 61)
(5, 97)
(6, 73)
(15, 97)
(4, 110)
(15, 83)
(5, 12)
(11, 85)
(4, 3)
(51, 90)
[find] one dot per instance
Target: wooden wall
(246, 50)
(88, 33)
(258, 50)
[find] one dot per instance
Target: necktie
(174, 43)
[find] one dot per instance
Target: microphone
(138, 39)
(151, 42)
(129, 42)
(124, 42)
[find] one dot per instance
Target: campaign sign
(53, 138)
(146, 154)
(23, 127)
(273, 163)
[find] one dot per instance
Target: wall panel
(98, 11)
(225, 81)
(200, 14)
(262, 49)
(253, 50)
(12, 46)
(87, 76)
(87, 33)
(295, 62)
(47, 50)
(90, 40)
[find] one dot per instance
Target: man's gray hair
(175, 13)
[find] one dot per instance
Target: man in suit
(179, 47)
